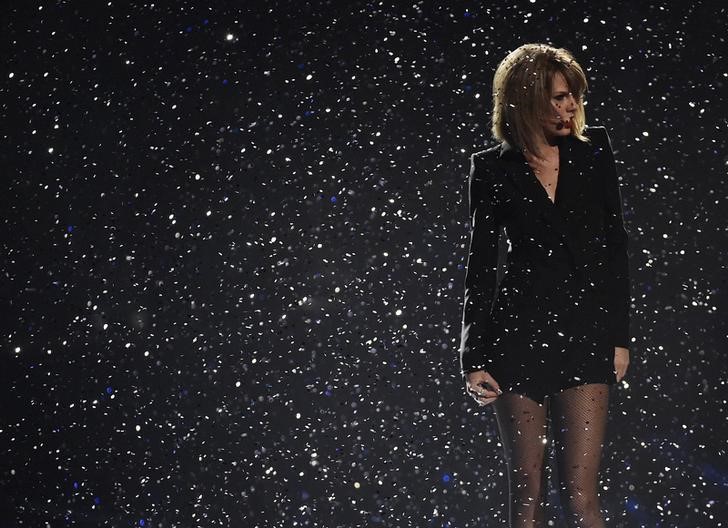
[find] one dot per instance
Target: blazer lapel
(523, 178)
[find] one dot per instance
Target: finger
(482, 394)
(492, 386)
(483, 391)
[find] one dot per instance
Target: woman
(550, 338)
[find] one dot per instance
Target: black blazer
(505, 196)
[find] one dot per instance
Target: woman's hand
(476, 385)
(621, 362)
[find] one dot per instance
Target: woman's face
(564, 106)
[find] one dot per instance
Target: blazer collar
(523, 177)
(508, 151)
(520, 173)
(512, 152)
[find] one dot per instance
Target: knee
(526, 484)
(582, 508)
(527, 505)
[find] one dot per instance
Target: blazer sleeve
(481, 272)
(617, 241)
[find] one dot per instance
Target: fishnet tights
(578, 421)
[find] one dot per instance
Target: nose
(571, 106)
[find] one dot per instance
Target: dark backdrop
(232, 267)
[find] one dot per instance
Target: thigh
(579, 419)
(522, 425)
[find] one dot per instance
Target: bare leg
(522, 424)
(579, 421)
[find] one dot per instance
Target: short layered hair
(522, 88)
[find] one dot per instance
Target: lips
(564, 124)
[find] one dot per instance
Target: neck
(552, 141)
(546, 148)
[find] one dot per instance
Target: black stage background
(233, 265)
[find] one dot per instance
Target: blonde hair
(522, 87)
